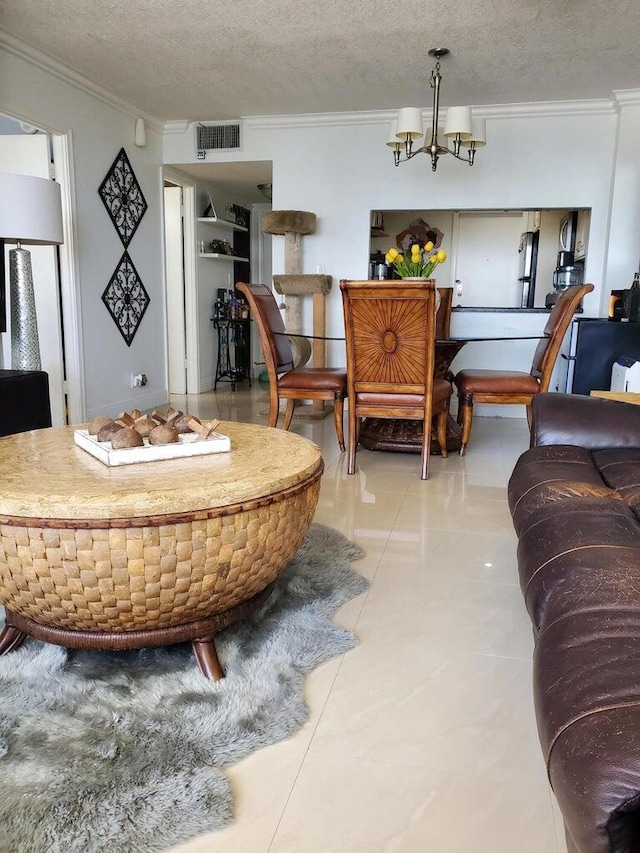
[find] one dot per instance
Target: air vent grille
(215, 136)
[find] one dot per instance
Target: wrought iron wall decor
(123, 198)
(126, 298)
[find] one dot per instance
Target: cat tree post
(293, 225)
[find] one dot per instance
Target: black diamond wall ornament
(126, 298)
(123, 198)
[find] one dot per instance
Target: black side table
(24, 401)
(233, 363)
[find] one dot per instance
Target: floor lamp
(31, 213)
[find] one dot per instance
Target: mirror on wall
(519, 259)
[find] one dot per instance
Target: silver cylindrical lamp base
(25, 346)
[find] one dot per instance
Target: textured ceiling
(219, 59)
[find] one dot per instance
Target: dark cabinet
(24, 401)
(595, 346)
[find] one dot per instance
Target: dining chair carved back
(443, 313)
(512, 387)
(390, 337)
(285, 381)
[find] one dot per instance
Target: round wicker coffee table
(147, 554)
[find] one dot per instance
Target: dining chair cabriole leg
(443, 417)
(338, 411)
(274, 407)
(529, 415)
(354, 438)
(465, 419)
(288, 414)
(424, 459)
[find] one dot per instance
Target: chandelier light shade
(31, 213)
(393, 140)
(458, 122)
(460, 130)
(478, 136)
(410, 124)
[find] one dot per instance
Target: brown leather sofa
(575, 501)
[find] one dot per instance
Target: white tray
(187, 445)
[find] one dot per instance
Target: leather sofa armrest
(589, 422)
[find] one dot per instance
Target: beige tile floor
(423, 738)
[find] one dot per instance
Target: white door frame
(190, 280)
(174, 274)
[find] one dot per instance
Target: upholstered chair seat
(470, 381)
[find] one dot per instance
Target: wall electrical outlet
(138, 380)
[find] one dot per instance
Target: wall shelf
(216, 256)
(222, 223)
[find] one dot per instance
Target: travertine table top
(43, 474)
(619, 396)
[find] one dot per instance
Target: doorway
(181, 303)
(485, 263)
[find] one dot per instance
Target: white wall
(35, 92)
(561, 156)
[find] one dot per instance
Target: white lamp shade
(458, 122)
(30, 210)
(409, 123)
(393, 140)
(478, 133)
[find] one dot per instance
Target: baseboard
(150, 400)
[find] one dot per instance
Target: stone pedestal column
(293, 224)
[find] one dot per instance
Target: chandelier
(463, 130)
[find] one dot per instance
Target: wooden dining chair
(512, 387)
(443, 314)
(285, 381)
(390, 335)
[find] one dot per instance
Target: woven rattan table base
(404, 436)
(201, 634)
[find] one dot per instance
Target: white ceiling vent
(224, 136)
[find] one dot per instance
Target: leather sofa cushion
(560, 556)
(496, 382)
(549, 474)
(587, 696)
(619, 467)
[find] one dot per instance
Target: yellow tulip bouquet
(419, 264)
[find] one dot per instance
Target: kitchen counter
(497, 310)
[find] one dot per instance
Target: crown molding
(627, 97)
(540, 109)
(63, 72)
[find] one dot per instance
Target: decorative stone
(302, 285)
(288, 221)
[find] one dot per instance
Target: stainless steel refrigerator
(528, 264)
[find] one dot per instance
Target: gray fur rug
(125, 752)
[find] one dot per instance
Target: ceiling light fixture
(460, 127)
(266, 190)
